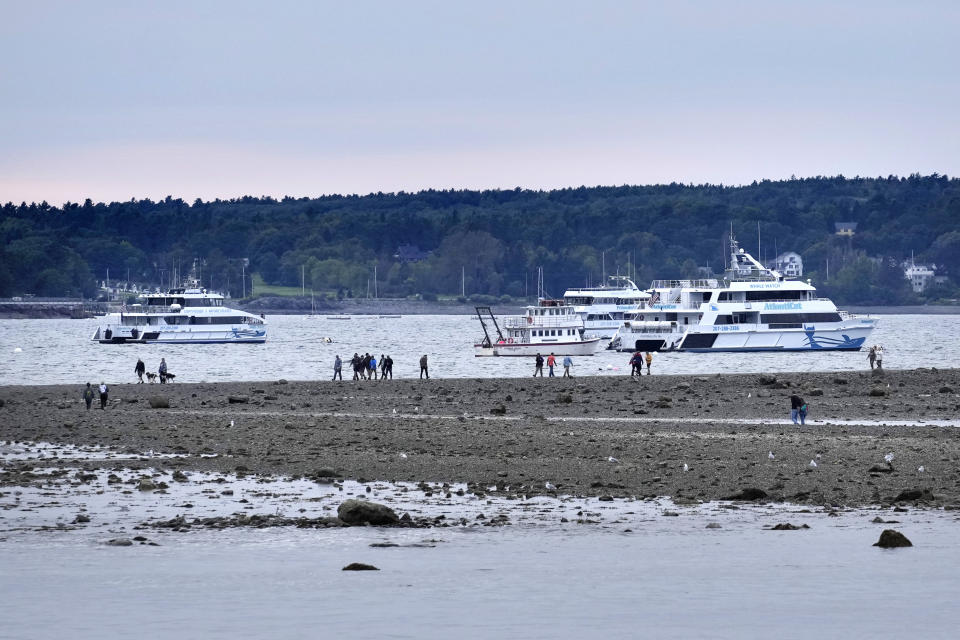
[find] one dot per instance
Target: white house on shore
(920, 276)
(788, 263)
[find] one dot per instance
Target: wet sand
(521, 434)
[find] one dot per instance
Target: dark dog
(151, 377)
(169, 377)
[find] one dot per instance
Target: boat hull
(846, 337)
(578, 348)
(121, 335)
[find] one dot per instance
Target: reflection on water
(59, 351)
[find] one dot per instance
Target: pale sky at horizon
(113, 100)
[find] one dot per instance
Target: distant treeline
(492, 243)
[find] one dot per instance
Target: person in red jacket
(551, 361)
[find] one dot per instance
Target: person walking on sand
(636, 366)
(88, 396)
(355, 363)
(423, 367)
(140, 369)
(880, 356)
(163, 370)
(872, 356)
(551, 363)
(383, 368)
(649, 358)
(103, 394)
(338, 368)
(388, 367)
(372, 368)
(796, 402)
(567, 363)
(538, 366)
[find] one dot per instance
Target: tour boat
(603, 308)
(752, 308)
(550, 327)
(181, 316)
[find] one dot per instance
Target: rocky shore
(692, 438)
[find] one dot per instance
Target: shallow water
(59, 351)
(636, 571)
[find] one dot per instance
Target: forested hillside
(491, 242)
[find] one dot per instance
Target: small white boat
(551, 327)
(342, 316)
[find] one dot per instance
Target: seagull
(920, 469)
(394, 412)
(813, 464)
(888, 458)
(403, 455)
(231, 423)
(771, 456)
(550, 487)
(686, 467)
(612, 459)
(749, 395)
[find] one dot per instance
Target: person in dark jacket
(88, 396)
(538, 366)
(423, 367)
(140, 369)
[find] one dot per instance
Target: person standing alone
(140, 369)
(423, 367)
(338, 368)
(649, 358)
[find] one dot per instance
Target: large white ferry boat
(603, 308)
(752, 308)
(551, 327)
(181, 316)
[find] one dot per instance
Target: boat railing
(702, 283)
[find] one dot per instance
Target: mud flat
(693, 438)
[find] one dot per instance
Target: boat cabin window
(727, 296)
(798, 318)
(779, 294)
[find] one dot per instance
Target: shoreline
(382, 306)
(521, 433)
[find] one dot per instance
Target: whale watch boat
(752, 308)
(550, 327)
(181, 316)
(603, 308)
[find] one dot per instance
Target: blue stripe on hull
(733, 349)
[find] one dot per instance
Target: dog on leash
(151, 377)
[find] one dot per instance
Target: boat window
(780, 294)
(798, 318)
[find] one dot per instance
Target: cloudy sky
(113, 100)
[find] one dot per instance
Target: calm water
(59, 351)
(636, 571)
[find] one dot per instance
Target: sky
(206, 99)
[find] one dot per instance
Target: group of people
(637, 361)
(141, 370)
(875, 356)
(365, 367)
(551, 363)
